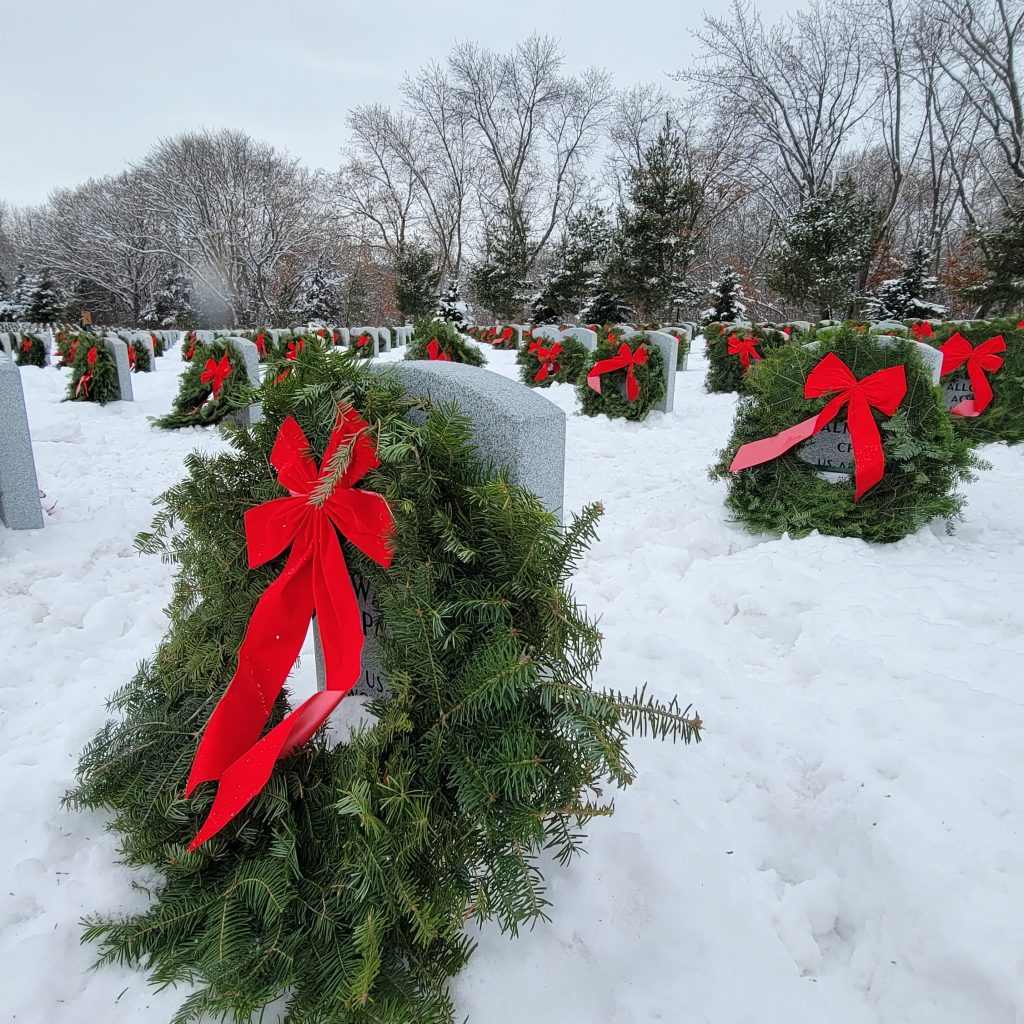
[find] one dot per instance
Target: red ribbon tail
(866, 441)
(632, 385)
(755, 453)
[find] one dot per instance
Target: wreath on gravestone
(545, 362)
(504, 337)
(361, 344)
(684, 346)
(439, 340)
(344, 887)
(909, 459)
(984, 364)
(733, 353)
(190, 346)
(67, 342)
(93, 372)
(159, 348)
(215, 385)
(264, 342)
(30, 351)
(623, 379)
(140, 358)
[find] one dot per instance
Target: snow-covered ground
(844, 847)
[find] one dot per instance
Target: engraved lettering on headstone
(830, 450)
(957, 389)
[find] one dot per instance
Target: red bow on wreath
(294, 348)
(363, 339)
(506, 335)
(216, 373)
(86, 379)
(626, 359)
(132, 357)
(548, 361)
(434, 351)
(985, 357)
(921, 330)
(314, 581)
(191, 352)
(26, 345)
(883, 390)
(261, 344)
(745, 348)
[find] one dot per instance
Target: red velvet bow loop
(363, 339)
(549, 363)
(216, 373)
(984, 358)
(883, 390)
(294, 348)
(435, 352)
(132, 357)
(315, 581)
(921, 330)
(745, 348)
(625, 359)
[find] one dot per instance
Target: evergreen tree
(319, 298)
(499, 279)
(1002, 291)
(45, 301)
(416, 282)
(21, 292)
(727, 298)
(606, 307)
(579, 262)
(905, 297)
(653, 245)
(824, 251)
(6, 304)
(172, 303)
(451, 308)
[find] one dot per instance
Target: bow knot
(883, 390)
(745, 348)
(216, 373)
(981, 359)
(627, 359)
(548, 358)
(435, 352)
(322, 500)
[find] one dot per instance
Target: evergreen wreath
(1003, 420)
(613, 401)
(159, 348)
(190, 346)
(361, 344)
(346, 885)
(264, 342)
(30, 351)
(726, 371)
(571, 362)
(684, 346)
(925, 458)
(140, 359)
(66, 343)
(504, 337)
(449, 342)
(195, 404)
(93, 372)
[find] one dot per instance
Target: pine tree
(824, 251)
(21, 292)
(727, 298)
(905, 297)
(1002, 291)
(172, 303)
(500, 278)
(451, 307)
(416, 282)
(6, 303)
(319, 297)
(579, 262)
(653, 245)
(606, 307)
(45, 302)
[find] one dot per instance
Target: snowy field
(844, 847)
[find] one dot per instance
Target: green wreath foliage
(725, 372)
(573, 361)
(500, 340)
(683, 349)
(103, 386)
(612, 401)
(29, 350)
(1003, 420)
(925, 458)
(193, 405)
(346, 886)
(159, 348)
(143, 356)
(449, 340)
(364, 351)
(190, 346)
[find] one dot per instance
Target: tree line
(856, 156)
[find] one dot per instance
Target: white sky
(87, 86)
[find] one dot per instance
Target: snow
(843, 847)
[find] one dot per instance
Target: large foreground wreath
(346, 886)
(925, 460)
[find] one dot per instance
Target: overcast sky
(87, 87)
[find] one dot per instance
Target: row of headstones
(384, 339)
